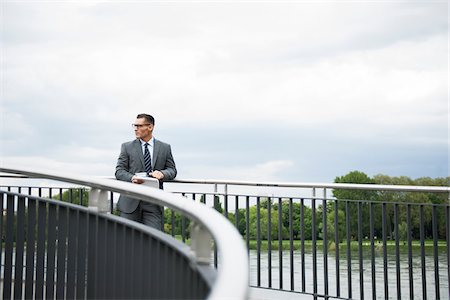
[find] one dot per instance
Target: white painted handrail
(232, 274)
(346, 186)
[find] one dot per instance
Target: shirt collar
(151, 142)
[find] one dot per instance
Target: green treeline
(345, 204)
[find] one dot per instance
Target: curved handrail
(232, 277)
(347, 186)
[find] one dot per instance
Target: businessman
(149, 155)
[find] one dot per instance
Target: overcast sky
(297, 91)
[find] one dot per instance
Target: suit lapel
(138, 150)
(156, 146)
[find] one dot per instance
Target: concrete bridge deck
(271, 294)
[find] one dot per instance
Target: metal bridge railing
(54, 249)
(388, 247)
(393, 245)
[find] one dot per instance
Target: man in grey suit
(149, 155)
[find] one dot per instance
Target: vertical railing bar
(302, 243)
(236, 211)
(114, 284)
(280, 243)
(314, 242)
(136, 262)
(247, 223)
(81, 195)
(397, 251)
(146, 265)
(410, 262)
(159, 266)
(183, 226)
(360, 253)
(172, 221)
(216, 204)
(269, 241)
(111, 202)
(336, 241)
(226, 200)
(123, 266)
(291, 243)
(60, 194)
(20, 247)
(436, 254)
(169, 262)
(325, 242)
(142, 267)
(372, 251)
(258, 242)
(71, 252)
(216, 258)
(80, 291)
(61, 252)
(385, 263)
(349, 255)
(101, 257)
(92, 258)
(9, 237)
(40, 249)
(30, 249)
(70, 195)
(422, 253)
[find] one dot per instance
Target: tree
(415, 198)
(76, 196)
(178, 221)
(241, 226)
(343, 197)
(331, 228)
(264, 221)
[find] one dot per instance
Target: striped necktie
(147, 159)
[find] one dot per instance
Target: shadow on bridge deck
(271, 294)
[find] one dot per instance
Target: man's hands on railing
(137, 179)
(155, 174)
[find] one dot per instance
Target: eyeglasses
(135, 126)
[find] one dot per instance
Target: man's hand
(137, 180)
(157, 174)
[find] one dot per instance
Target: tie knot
(146, 144)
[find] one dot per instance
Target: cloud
(266, 171)
(75, 74)
(48, 164)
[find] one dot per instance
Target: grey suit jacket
(131, 161)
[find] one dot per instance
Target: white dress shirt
(150, 147)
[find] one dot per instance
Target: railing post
(201, 243)
(98, 200)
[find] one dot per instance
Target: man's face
(143, 129)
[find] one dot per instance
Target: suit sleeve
(123, 165)
(170, 170)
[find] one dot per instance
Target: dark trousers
(147, 213)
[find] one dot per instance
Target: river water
(355, 275)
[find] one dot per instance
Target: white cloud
(372, 70)
(46, 164)
(267, 171)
